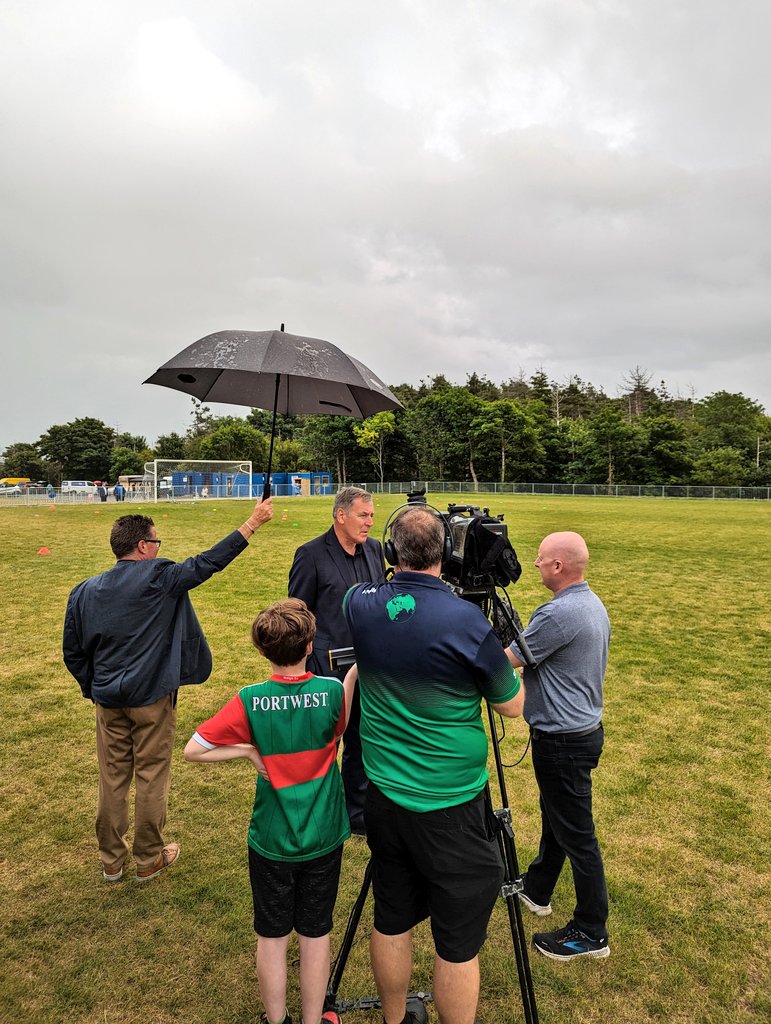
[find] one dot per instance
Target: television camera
(479, 562)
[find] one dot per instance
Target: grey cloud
(582, 187)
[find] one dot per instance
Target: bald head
(562, 560)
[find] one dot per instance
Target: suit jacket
(131, 634)
(319, 576)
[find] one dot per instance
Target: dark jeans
(563, 769)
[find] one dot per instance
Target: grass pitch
(681, 794)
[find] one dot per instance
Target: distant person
(296, 486)
(50, 492)
(568, 637)
(322, 571)
(120, 492)
(131, 639)
(102, 492)
(288, 728)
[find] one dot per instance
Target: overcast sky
(436, 186)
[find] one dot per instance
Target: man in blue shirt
(568, 637)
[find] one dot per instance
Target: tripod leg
(350, 934)
(511, 883)
(509, 854)
(331, 1001)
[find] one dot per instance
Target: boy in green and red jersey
(288, 727)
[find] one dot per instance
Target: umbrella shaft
(266, 488)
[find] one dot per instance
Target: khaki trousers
(133, 742)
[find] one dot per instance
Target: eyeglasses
(151, 540)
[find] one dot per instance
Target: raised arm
(263, 511)
(182, 576)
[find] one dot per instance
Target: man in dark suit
(131, 639)
(321, 573)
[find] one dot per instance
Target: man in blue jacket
(131, 639)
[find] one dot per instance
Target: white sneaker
(535, 908)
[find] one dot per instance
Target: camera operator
(425, 660)
(568, 638)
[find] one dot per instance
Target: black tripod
(512, 884)
(506, 626)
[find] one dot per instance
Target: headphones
(389, 548)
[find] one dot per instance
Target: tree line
(522, 430)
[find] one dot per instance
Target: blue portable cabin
(194, 484)
(287, 485)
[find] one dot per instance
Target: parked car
(24, 487)
(78, 487)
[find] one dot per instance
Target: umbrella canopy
(279, 371)
(240, 367)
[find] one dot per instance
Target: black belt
(539, 734)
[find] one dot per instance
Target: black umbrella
(279, 371)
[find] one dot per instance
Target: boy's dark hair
(127, 532)
(283, 631)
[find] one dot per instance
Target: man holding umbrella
(131, 639)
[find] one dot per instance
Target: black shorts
(444, 864)
(299, 896)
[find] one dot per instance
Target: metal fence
(444, 487)
(589, 490)
(57, 498)
(136, 497)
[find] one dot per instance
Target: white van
(78, 487)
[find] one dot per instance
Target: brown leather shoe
(166, 858)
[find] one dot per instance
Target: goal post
(199, 479)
